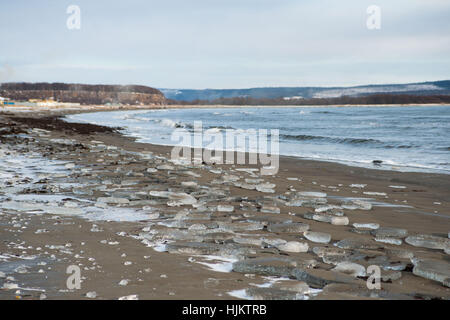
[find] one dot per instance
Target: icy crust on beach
(286, 255)
(24, 186)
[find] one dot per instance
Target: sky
(225, 43)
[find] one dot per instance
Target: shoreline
(102, 164)
(98, 108)
(359, 164)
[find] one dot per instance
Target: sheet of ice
(240, 294)
(220, 264)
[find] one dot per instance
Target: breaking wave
(352, 141)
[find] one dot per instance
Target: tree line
(377, 99)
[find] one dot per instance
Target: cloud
(227, 43)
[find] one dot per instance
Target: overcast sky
(225, 43)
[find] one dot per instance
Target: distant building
(5, 101)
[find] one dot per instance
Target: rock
(293, 246)
(306, 202)
(351, 268)
(10, 286)
(340, 221)
(91, 295)
(388, 276)
(428, 241)
(359, 186)
(265, 188)
(240, 226)
(130, 297)
(197, 226)
(318, 278)
(189, 184)
(357, 244)
(193, 248)
(273, 266)
(325, 251)
(293, 227)
(395, 265)
(123, 282)
(336, 255)
(165, 167)
(70, 165)
(270, 209)
(254, 241)
(388, 240)
(319, 237)
(326, 208)
(312, 194)
(372, 226)
(225, 208)
(357, 205)
(318, 217)
(361, 231)
(436, 270)
(272, 241)
(160, 194)
(369, 193)
(386, 232)
(245, 186)
(399, 253)
(179, 199)
(113, 200)
(268, 219)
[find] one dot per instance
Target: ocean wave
(325, 112)
(170, 123)
(352, 141)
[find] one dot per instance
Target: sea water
(404, 138)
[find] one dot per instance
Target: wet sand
(116, 168)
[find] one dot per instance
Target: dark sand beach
(220, 215)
